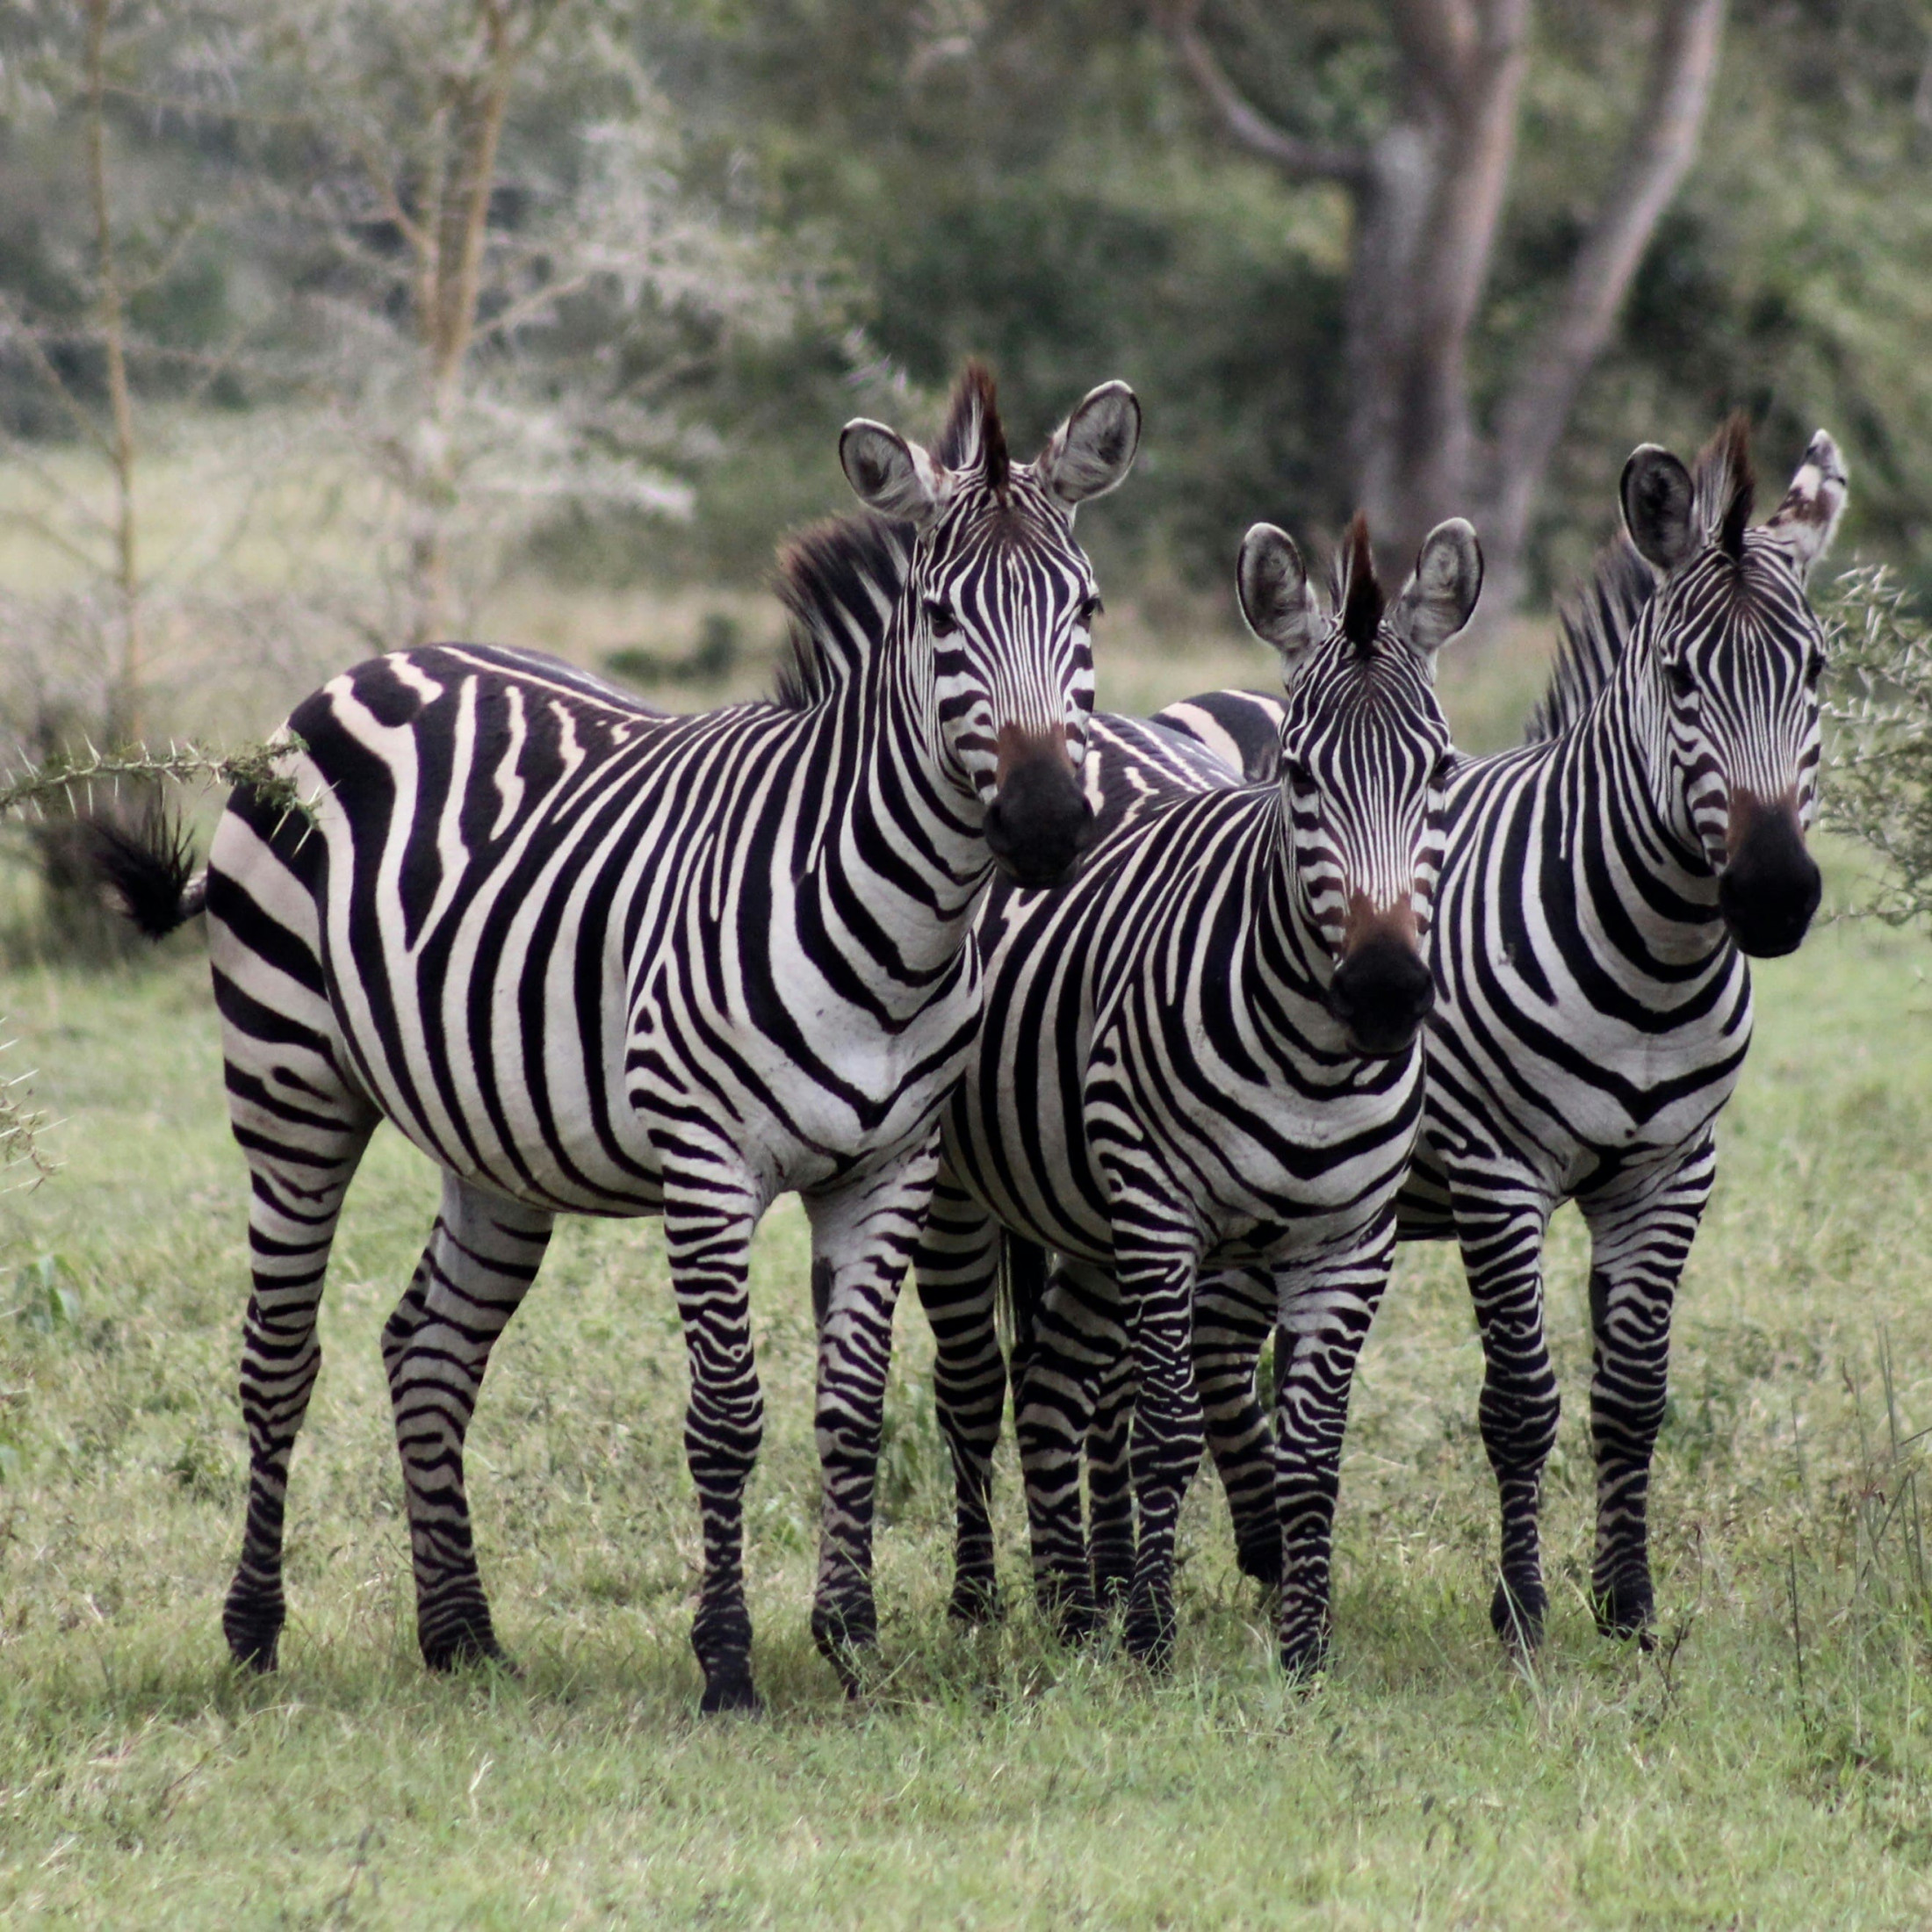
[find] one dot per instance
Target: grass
(1768, 1764)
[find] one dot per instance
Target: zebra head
(1002, 600)
(1365, 760)
(1736, 654)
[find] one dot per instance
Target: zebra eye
(940, 620)
(1681, 680)
(1295, 773)
(1091, 609)
(1445, 770)
(1814, 669)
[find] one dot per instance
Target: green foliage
(1787, 278)
(888, 185)
(1041, 185)
(1879, 787)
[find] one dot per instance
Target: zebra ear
(1442, 589)
(1658, 508)
(890, 475)
(1277, 598)
(1092, 450)
(1807, 518)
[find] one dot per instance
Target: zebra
(591, 958)
(1602, 889)
(1201, 1052)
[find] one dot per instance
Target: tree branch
(1437, 39)
(1662, 141)
(1305, 159)
(44, 531)
(14, 329)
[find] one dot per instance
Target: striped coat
(592, 959)
(1601, 891)
(1203, 1052)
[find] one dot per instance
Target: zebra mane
(1724, 486)
(1596, 627)
(974, 437)
(1353, 587)
(840, 580)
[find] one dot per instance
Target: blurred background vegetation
(328, 324)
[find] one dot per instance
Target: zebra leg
(957, 1271)
(1638, 1249)
(295, 1198)
(1110, 1483)
(863, 1242)
(1081, 1329)
(1501, 1234)
(708, 1232)
(1325, 1311)
(1234, 1316)
(1159, 1286)
(482, 1255)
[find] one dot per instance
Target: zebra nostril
(1040, 821)
(1381, 993)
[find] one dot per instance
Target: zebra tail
(1020, 1289)
(150, 873)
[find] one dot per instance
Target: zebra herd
(1164, 1031)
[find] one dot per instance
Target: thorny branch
(28, 790)
(20, 1124)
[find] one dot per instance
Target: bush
(1879, 789)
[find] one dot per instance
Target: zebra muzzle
(1040, 821)
(1381, 993)
(1771, 885)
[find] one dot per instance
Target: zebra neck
(1614, 831)
(1287, 955)
(903, 846)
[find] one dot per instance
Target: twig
(254, 765)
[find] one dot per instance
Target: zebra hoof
(1304, 1656)
(1112, 1584)
(975, 1602)
(857, 1668)
(1150, 1635)
(1065, 1599)
(1069, 1610)
(1517, 1611)
(1258, 1555)
(466, 1648)
(1625, 1609)
(253, 1628)
(730, 1696)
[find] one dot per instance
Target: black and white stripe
(1601, 888)
(1201, 1053)
(592, 959)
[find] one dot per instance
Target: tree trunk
(1425, 227)
(1657, 155)
(1429, 198)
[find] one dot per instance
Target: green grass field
(1768, 1764)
